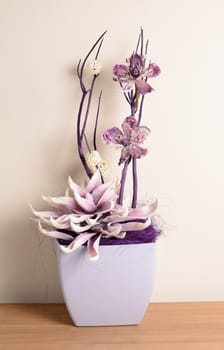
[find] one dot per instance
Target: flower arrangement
(97, 213)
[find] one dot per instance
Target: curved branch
(96, 121)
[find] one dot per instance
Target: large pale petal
(105, 207)
(116, 231)
(61, 203)
(54, 234)
(113, 231)
(144, 210)
(60, 224)
(107, 196)
(75, 188)
(135, 226)
(79, 229)
(93, 248)
(100, 190)
(93, 221)
(77, 219)
(122, 219)
(77, 242)
(94, 182)
(45, 214)
(86, 204)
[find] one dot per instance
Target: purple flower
(134, 74)
(129, 138)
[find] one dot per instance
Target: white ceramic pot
(115, 290)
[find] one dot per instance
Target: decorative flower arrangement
(97, 213)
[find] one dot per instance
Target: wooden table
(172, 326)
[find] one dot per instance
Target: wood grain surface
(172, 326)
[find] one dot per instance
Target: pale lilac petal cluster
(129, 139)
(89, 214)
(133, 74)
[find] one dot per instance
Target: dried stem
(90, 92)
(134, 165)
(135, 182)
(140, 110)
(85, 92)
(96, 121)
(137, 46)
(89, 53)
(142, 41)
(79, 141)
(123, 179)
(87, 143)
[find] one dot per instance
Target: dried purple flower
(134, 74)
(129, 138)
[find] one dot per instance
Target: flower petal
(137, 151)
(79, 229)
(86, 204)
(60, 224)
(153, 70)
(99, 191)
(144, 210)
(105, 207)
(135, 226)
(125, 154)
(76, 219)
(54, 234)
(107, 196)
(45, 214)
(61, 203)
(77, 242)
(127, 85)
(93, 221)
(141, 133)
(115, 231)
(94, 182)
(121, 71)
(128, 125)
(143, 87)
(93, 248)
(113, 136)
(75, 188)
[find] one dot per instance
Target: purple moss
(148, 235)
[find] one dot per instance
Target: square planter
(115, 290)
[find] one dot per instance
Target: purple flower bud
(136, 65)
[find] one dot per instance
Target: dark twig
(138, 42)
(98, 51)
(142, 41)
(123, 179)
(96, 121)
(140, 110)
(81, 129)
(135, 182)
(89, 53)
(90, 92)
(87, 143)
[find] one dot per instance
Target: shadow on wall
(30, 270)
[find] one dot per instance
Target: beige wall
(41, 41)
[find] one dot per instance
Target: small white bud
(94, 67)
